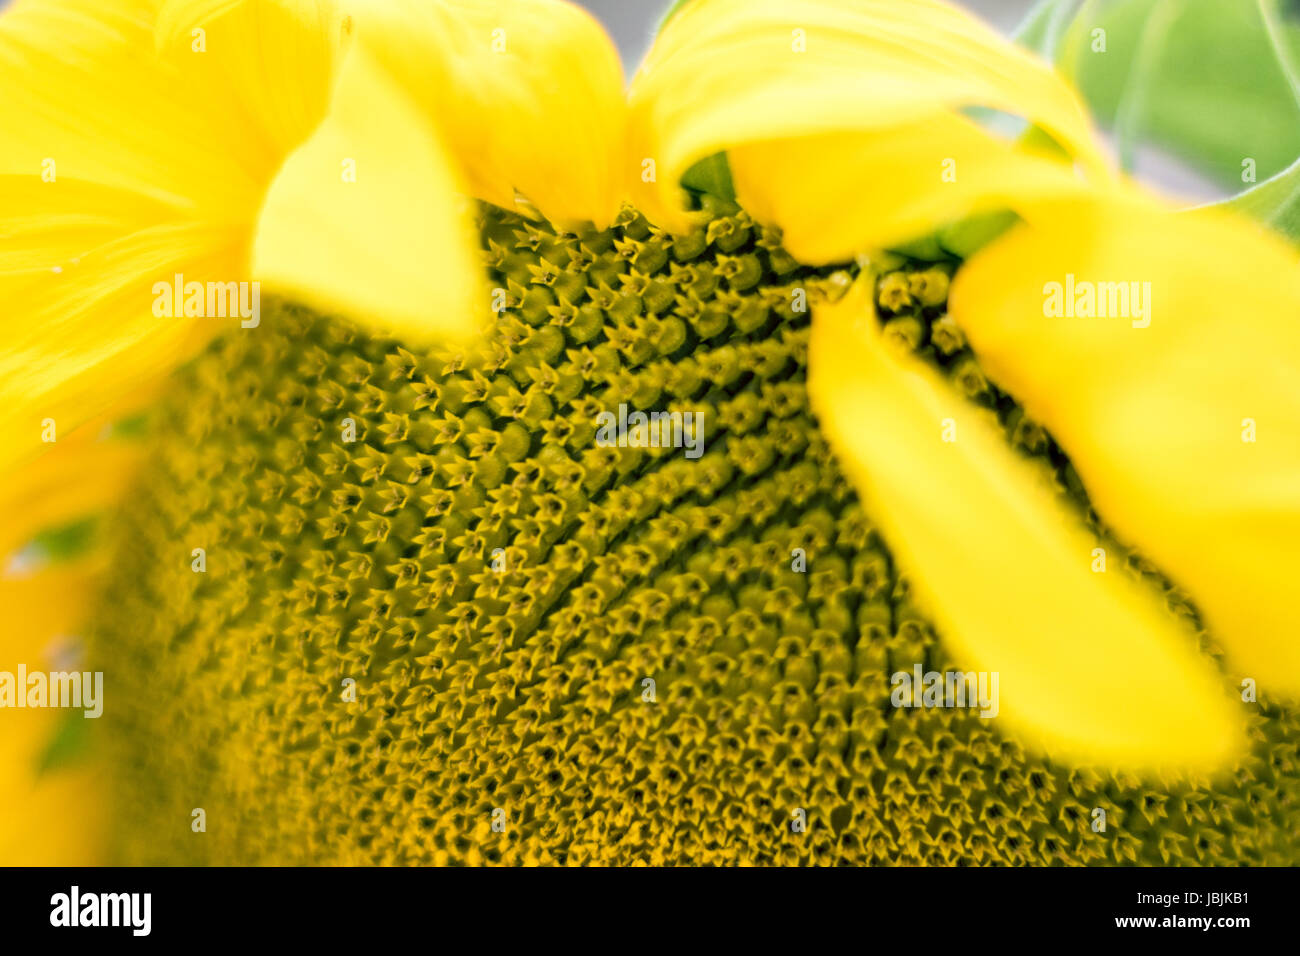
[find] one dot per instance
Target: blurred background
(632, 22)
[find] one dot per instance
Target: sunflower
(365, 585)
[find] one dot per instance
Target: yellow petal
(59, 818)
(83, 92)
(78, 477)
(44, 226)
(88, 96)
(836, 194)
(119, 168)
(43, 608)
(55, 818)
(77, 271)
(78, 265)
(528, 94)
(368, 218)
(266, 68)
(1091, 667)
(1154, 418)
(727, 74)
(176, 19)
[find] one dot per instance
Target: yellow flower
(842, 144)
(332, 152)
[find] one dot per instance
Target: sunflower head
(459, 458)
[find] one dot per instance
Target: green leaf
(1275, 203)
(1042, 28)
(1134, 103)
(1212, 81)
(1270, 12)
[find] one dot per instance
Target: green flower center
(438, 619)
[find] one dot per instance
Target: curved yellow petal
(56, 817)
(45, 226)
(368, 217)
(262, 70)
(201, 124)
(78, 267)
(836, 194)
(1091, 667)
(747, 75)
(1182, 412)
(87, 97)
(176, 20)
(528, 95)
(122, 167)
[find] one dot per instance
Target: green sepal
(69, 744)
(968, 236)
(712, 176)
(926, 248)
(67, 541)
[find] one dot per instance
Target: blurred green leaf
(1205, 79)
(1275, 203)
(1041, 30)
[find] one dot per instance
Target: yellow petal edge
(806, 98)
(1181, 413)
(1092, 669)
